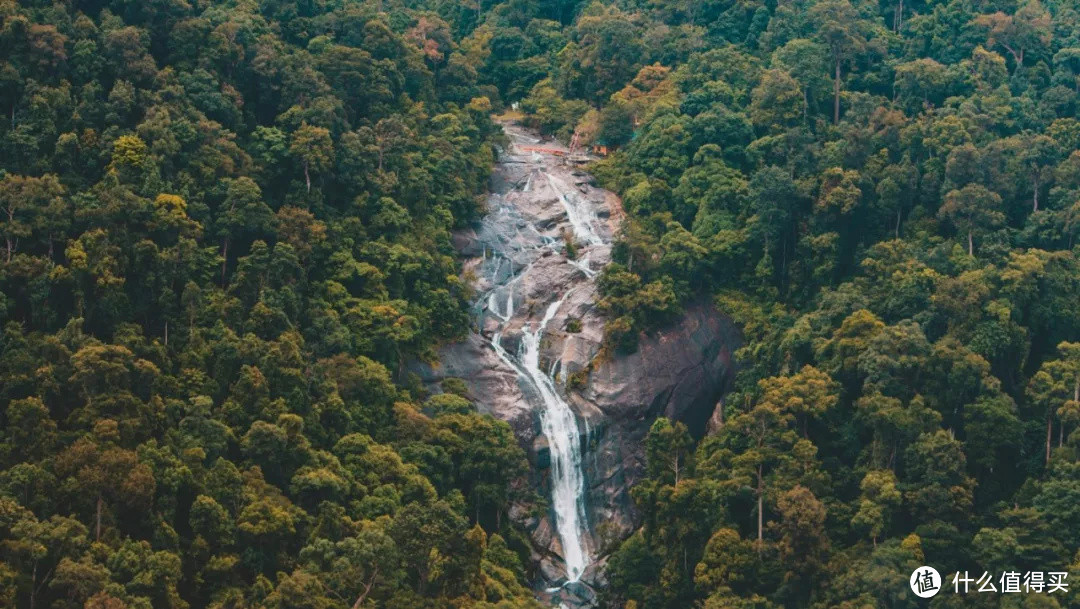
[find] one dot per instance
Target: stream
(532, 294)
(530, 360)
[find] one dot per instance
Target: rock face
(536, 304)
(680, 373)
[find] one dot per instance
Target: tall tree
(314, 149)
(845, 33)
(972, 208)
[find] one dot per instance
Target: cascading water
(561, 429)
(579, 217)
(559, 425)
(529, 290)
(531, 361)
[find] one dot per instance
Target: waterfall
(527, 290)
(560, 427)
(580, 218)
(564, 442)
(583, 265)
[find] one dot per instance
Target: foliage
(225, 229)
(884, 196)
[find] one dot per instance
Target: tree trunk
(783, 265)
(898, 19)
(766, 281)
(760, 509)
(1049, 427)
(971, 244)
(836, 94)
(224, 259)
(307, 177)
(896, 231)
(1035, 195)
(33, 586)
(11, 221)
(97, 527)
(1076, 398)
(367, 590)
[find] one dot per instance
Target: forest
(225, 227)
(225, 232)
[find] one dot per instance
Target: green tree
(843, 31)
(972, 208)
(243, 212)
(803, 545)
(667, 450)
(777, 102)
(362, 566)
(1026, 30)
(105, 476)
(729, 562)
(1055, 389)
(878, 500)
(937, 486)
(313, 148)
(760, 441)
(26, 202)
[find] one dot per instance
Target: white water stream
(520, 236)
(564, 439)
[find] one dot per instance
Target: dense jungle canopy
(225, 232)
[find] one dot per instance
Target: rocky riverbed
(537, 328)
